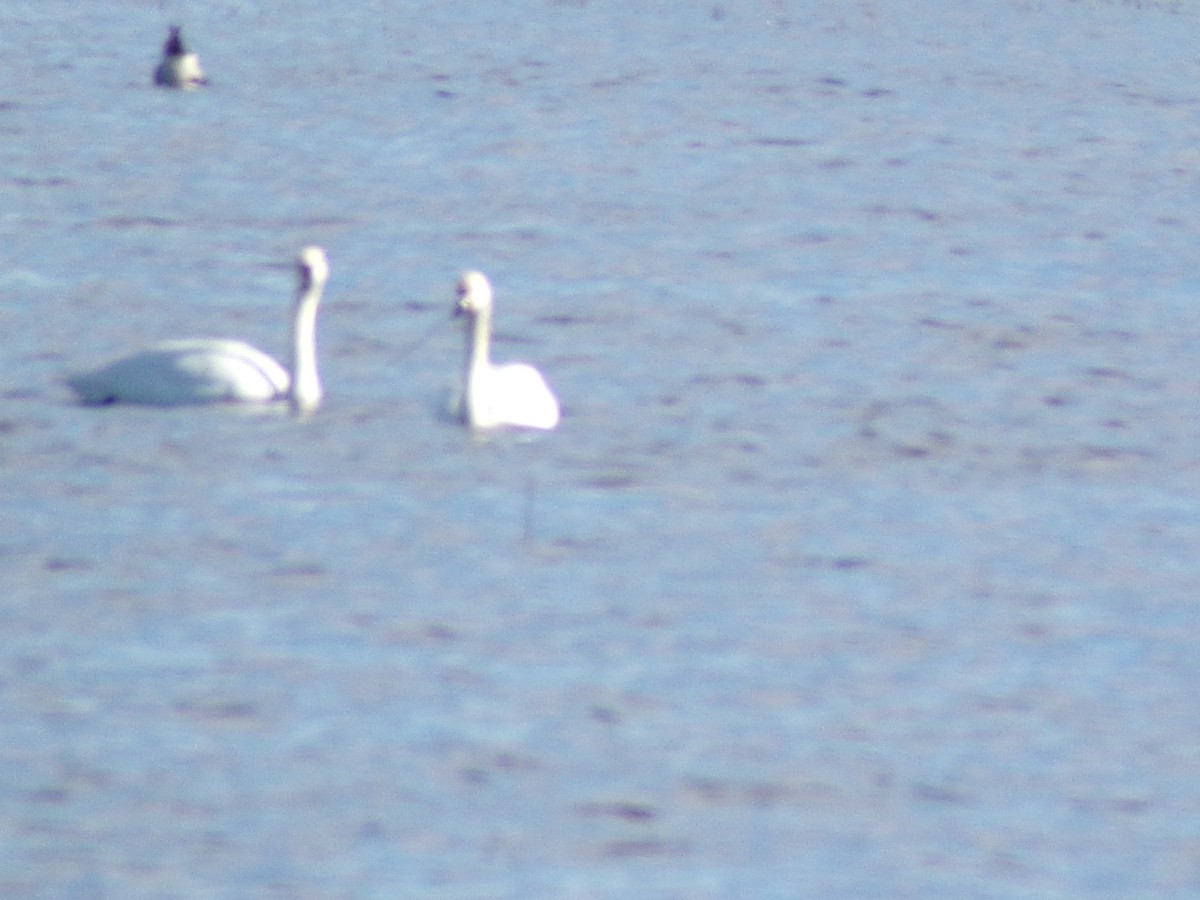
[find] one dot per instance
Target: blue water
(863, 563)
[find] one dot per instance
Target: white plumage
(179, 67)
(207, 370)
(495, 395)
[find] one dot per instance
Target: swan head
(313, 268)
(474, 294)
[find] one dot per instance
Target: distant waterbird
(206, 370)
(179, 68)
(513, 394)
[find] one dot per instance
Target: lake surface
(863, 564)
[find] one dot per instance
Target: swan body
(179, 68)
(207, 370)
(174, 373)
(514, 394)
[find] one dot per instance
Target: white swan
(206, 370)
(512, 394)
(179, 68)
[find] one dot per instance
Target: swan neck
(305, 392)
(478, 353)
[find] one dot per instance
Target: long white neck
(478, 340)
(305, 394)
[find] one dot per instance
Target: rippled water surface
(863, 563)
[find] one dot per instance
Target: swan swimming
(512, 394)
(207, 370)
(179, 68)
